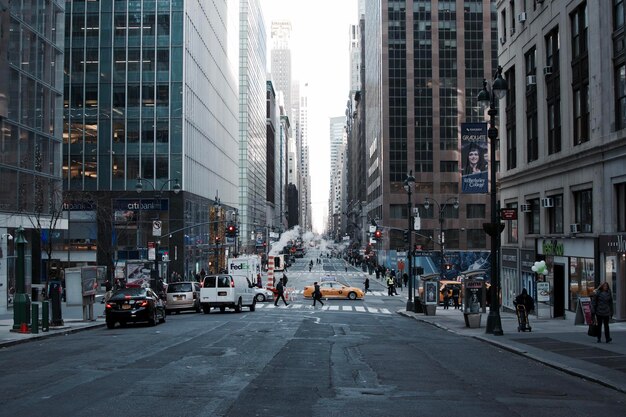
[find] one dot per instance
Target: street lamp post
(409, 183)
(488, 100)
(154, 276)
(441, 208)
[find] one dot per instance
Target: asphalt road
(288, 362)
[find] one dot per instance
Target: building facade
(31, 93)
(562, 149)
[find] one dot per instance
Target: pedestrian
(526, 300)
(259, 283)
(317, 294)
(602, 307)
(284, 279)
(280, 293)
(366, 285)
(456, 292)
(405, 278)
(445, 292)
(390, 286)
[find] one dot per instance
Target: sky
(320, 57)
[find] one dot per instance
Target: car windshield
(129, 292)
(180, 287)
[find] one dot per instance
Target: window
(449, 166)
(555, 214)
(581, 114)
(618, 14)
(620, 198)
(475, 211)
(511, 226)
(511, 138)
(533, 218)
(532, 135)
(620, 97)
(554, 127)
(476, 239)
(583, 203)
(579, 31)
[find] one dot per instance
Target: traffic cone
(24, 328)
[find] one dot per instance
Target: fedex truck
(247, 266)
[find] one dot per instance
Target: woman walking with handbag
(603, 309)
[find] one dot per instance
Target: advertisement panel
(474, 154)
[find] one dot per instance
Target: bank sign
(140, 204)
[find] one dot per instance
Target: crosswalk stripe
(294, 306)
(359, 308)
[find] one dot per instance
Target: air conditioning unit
(547, 70)
(521, 17)
(526, 208)
(574, 228)
(547, 202)
(531, 80)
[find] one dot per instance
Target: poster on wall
(474, 154)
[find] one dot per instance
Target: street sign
(156, 228)
(508, 214)
(151, 251)
(372, 228)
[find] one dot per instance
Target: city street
(354, 358)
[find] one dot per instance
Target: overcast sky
(320, 57)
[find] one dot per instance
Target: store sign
(553, 247)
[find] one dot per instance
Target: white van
(225, 290)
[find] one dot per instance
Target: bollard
(34, 326)
(45, 316)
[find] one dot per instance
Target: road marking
(346, 308)
(333, 308)
(360, 309)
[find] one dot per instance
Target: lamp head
(484, 98)
(176, 187)
(409, 182)
(427, 203)
(499, 86)
(456, 203)
(139, 185)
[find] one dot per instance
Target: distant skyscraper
(281, 59)
(253, 125)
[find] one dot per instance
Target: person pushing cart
(524, 305)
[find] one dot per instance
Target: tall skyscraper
(416, 99)
(140, 103)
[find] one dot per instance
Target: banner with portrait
(474, 154)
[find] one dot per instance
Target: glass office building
(150, 92)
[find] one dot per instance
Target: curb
(60, 332)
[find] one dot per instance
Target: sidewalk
(557, 343)
(72, 322)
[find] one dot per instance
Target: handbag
(594, 329)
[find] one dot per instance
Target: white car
(263, 294)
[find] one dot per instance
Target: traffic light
(378, 234)
(447, 267)
(406, 235)
(231, 230)
(217, 240)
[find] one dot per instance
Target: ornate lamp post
(488, 99)
(441, 208)
(409, 184)
(157, 195)
(217, 207)
(21, 301)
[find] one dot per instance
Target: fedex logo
(241, 266)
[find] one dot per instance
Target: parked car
(134, 305)
(263, 294)
(183, 296)
(334, 289)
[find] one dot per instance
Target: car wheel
(259, 298)
(162, 320)
(238, 306)
(222, 309)
(153, 318)
(352, 296)
(110, 324)
(198, 309)
(253, 305)
(206, 309)
(168, 312)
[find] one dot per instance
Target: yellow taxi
(334, 289)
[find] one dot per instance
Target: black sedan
(134, 305)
